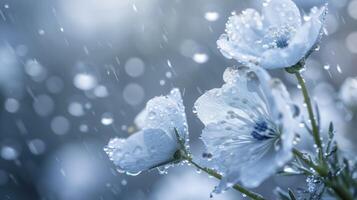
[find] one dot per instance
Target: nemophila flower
(156, 143)
(249, 126)
(348, 93)
(275, 39)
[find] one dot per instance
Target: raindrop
(76, 109)
(54, 84)
(43, 105)
(60, 125)
(352, 9)
(107, 119)
(35, 70)
(168, 74)
(133, 94)
(9, 152)
(351, 42)
(124, 182)
(101, 91)
(37, 146)
(84, 81)
(211, 16)
(200, 58)
(327, 67)
(162, 82)
(12, 105)
(83, 128)
(338, 67)
(134, 67)
(41, 31)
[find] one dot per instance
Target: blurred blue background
(74, 73)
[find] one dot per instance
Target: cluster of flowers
(251, 121)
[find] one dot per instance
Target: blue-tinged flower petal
(155, 144)
(243, 34)
(281, 13)
(166, 113)
(277, 39)
(141, 151)
(300, 45)
(249, 126)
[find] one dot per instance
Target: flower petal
(166, 113)
(280, 13)
(235, 100)
(235, 116)
(142, 150)
(243, 37)
(300, 45)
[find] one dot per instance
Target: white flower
(348, 93)
(156, 143)
(249, 126)
(275, 39)
(187, 185)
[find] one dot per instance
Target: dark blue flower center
(282, 42)
(262, 131)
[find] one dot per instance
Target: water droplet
(12, 105)
(107, 119)
(200, 58)
(211, 16)
(134, 67)
(133, 94)
(84, 81)
(60, 125)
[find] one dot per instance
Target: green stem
(314, 127)
(237, 187)
(321, 171)
(341, 191)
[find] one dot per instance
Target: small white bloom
(156, 143)
(348, 93)
(249, 126)
(275, 39)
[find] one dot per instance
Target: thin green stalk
(321, 171)
(237, 187)
(314, 127)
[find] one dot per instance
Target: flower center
(262, 131)
(281, 42)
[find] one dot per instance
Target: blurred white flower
(187, 185)
(348, 93)
(156, 143)
(249, 126)
(275, 39)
